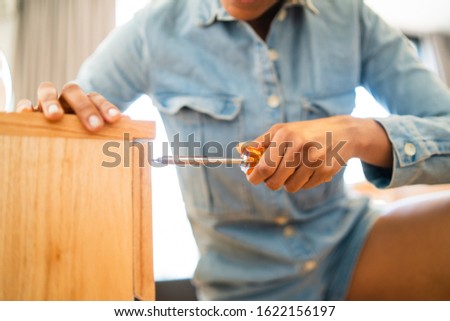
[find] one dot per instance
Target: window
(366, 106)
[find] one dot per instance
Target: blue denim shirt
(212, 77)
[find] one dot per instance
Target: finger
(315, 180)
(323, 174)
(87, 112)
(265, 140)
(297, 180)
(48, 101)
(261, 142)
(109, 112)
(320, 177)
(24, 105)
(241, 147)
(288, 165)
(270, 161)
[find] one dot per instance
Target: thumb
(241, 147)
(261, 142)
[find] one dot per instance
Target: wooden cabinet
(72, 225)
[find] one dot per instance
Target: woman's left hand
(303, 155)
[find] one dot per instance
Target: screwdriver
(250, 157)
(197, 160)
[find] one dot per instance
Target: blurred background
(49, 39)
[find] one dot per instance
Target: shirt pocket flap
(336, 104)
(221, 107)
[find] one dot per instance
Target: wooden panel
(35, 124)
(65, 221)
(144, 285)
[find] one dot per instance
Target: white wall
(8, 28)
(415, 16)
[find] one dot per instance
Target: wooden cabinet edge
(143, 278)
(35, 124)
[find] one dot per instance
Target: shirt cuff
(410, 151)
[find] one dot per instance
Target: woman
(229, 70)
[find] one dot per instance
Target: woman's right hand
(92, 109)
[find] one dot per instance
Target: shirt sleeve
(118, 68)
(419, 128)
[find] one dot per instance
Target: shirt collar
(213, 11)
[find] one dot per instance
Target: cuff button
(410, 149)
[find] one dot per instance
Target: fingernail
(53, 109)
(94, 121)
(24, 105)
(112, 112)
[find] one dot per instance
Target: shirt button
(274, 101)
(281, 220)
(282, 15)
(410, 149)
(273, 54)
(309, 266)
(289, 231)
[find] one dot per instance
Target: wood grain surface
(70, 229)
(144, 287)
(35, 124)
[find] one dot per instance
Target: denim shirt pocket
(330, 105)
(214, 124)
(221, 107)
(315, 107)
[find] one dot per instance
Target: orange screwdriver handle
(250, 158)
